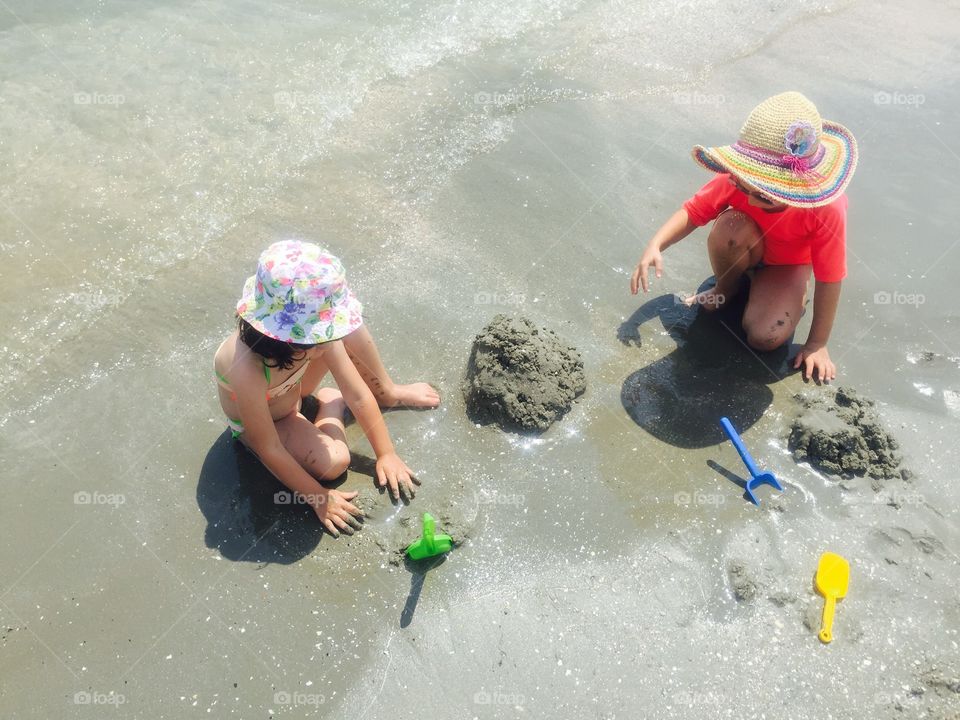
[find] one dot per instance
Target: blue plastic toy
(756, 477)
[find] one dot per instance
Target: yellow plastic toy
(833, 577)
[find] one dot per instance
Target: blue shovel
(756, 477)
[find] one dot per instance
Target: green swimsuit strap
(266, 374)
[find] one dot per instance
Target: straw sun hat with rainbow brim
(787, 152)
(300, 295)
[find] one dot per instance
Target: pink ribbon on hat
(799, 165)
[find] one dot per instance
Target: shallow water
(463, 159)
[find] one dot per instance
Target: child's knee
(734, 229)
(339, 460)
(764, 341)
(328, 394)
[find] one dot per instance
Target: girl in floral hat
(296, 321)
(780, 211)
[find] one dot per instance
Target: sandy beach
(464, 160)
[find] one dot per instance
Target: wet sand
(609, 568)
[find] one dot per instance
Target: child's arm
(332, 507)
(813, 355)
(391, 470)
(673, 231)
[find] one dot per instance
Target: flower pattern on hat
(300, 295)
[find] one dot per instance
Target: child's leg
(363, 352)
(777, 295)
(320, 447)
(735, 245)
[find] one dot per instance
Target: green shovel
(429, 544)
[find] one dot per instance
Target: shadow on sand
(247, 518)
(249, 513)
(680, 398)
(418, 570)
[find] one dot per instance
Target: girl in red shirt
(779, 208)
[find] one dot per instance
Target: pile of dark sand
(391, 539)
(742, 581)
(840, 433)
(521, 377)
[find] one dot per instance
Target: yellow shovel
(833, 576)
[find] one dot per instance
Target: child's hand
(393, 471)
(336, 512)
(816, 362)
(651, 256)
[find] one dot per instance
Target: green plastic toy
(429, 544)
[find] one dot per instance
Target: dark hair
(276, 353)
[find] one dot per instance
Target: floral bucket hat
(788, 153)
(300, 295)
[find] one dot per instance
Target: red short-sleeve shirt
(795, 236)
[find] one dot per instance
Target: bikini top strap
(225, 384)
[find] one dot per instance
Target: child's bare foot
(710, 300)
(414, 395)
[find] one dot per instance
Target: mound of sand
(742, 581)
(393, 538)
(840, 433)
(521, 377)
